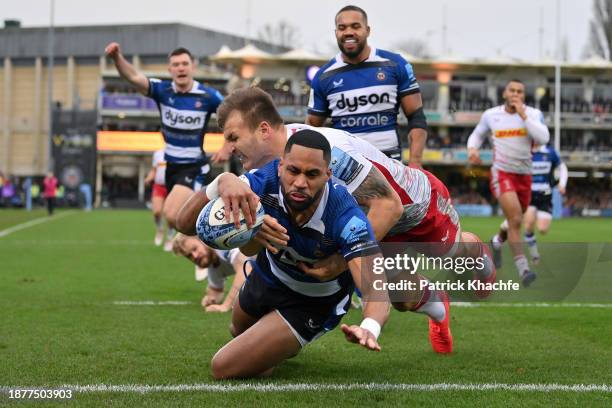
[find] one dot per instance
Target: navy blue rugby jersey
(184, 117)
(337, 225)
(364, 98)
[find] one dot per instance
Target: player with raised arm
(404, 204)
(545, 160)
(185, 107)
(513, 128)
(280, 309)
(362, 88)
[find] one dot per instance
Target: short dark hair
(311, 139)
(254, 104)
(515, 80)
(352, 8)
(180, 51)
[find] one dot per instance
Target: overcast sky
(475, 28)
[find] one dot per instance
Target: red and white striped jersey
(351, 161)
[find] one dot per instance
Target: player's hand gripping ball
(219, 233)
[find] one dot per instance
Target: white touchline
(33, 222)
(533, 304)
(226, 388)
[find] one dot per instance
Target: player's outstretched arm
(377, 306)
(127, 70)
(188, 214)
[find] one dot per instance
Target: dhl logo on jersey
(511, 132)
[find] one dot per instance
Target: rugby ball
(215, 231)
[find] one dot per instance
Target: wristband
(372, 326)
(212, 190)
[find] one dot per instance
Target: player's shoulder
(328, 69)
(339, 199)
(391, 56)
(530, 110)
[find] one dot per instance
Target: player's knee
(543, 231)
(220, 367)
(515, 221)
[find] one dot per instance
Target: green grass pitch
(59, 325)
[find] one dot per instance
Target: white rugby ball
(215, 231)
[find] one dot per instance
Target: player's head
(514, 91)
(181, 67)
(352, 30)
(249, 119)
(194, 249)
(304, 169)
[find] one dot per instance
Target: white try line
(152, 303)
(33, 222)
(301, 387)
(533, 305)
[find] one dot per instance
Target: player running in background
(185, 107)
(545, 160)
(404, 204)
(280, 309)
(513, 128)
(363, 87)
(157, 177)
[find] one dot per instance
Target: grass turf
(59, 279)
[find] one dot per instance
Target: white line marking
(32, 223)
(533, 305)
(152, 303)
(71, 242)
(226, 388)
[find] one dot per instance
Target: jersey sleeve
(261, 179)
(355, 234)
(407, 80)
(317, 103)
(155, 86)
(481, 131)
(217, 99)
(349, 168)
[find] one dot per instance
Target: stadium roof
(142, 39)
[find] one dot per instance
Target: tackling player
(220, 264)
(545, 160)
(513, 128)
(363, 87)
(280, 309)
(404, 204)
(185, 107)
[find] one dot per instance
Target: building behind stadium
(104, 132)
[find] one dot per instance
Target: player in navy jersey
(280, 309)
(544, 161)
(363, 87)
(405, 204)
(185, 107)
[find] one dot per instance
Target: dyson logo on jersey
(174, 118)
(352, 104)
